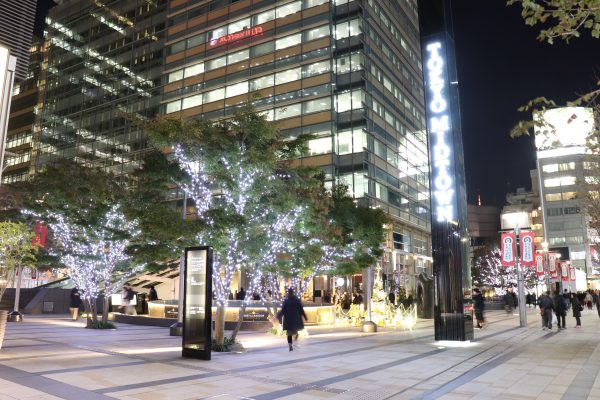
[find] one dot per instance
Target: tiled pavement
(49, 357)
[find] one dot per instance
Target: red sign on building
(236, 36)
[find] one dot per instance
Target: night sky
(501, 66)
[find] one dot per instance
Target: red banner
(40, 231)
(572, 274)
(507, 247)
(539, 264)
(552, 264)
(564, 271)
(527, 247)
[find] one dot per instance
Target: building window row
(568, 166)
(242, 24)
(252, 85)
(406, 21)
(19, 139)
(561, 196)
(564, 240)
(560, 181)
(569, 224)
(245, 54)
(558, 211)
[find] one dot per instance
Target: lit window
(348, 28)
(216, 63)
(173, 106)
(313, 3)
(561, 181)
(263, 17)
(288, 9)
(239, 25)
(237, 89)
(316, 68)
(351, 141)
(238, 56)
(175, 76)
(262, 82)
(292, 110)
(349, 100)
(319, 146)
(194, 70)
(217, 33)
(349, 63)
(550, 168)
(214, 95)
(288, 41)
(192, 101)
(289, 75)
(316, 33)
(317, 105)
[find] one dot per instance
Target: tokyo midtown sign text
(444, 195)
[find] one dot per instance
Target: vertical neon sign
(442, 179)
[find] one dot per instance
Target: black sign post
(197, 303)
(453, 309)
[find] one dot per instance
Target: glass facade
(348, 72)
(104, 64)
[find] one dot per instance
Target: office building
(16, 29)
(564, 163)
(348, 72)
(104, 65)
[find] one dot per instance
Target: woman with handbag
(577, 308)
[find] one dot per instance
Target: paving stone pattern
(52, 357)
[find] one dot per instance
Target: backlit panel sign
(443, 189)
(563, 127)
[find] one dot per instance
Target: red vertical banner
(539, 264)
(564, 271)
(40, 231)
(572, 274)
(552, 264)
(507, 247)
(527, 247)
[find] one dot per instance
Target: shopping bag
(554, 319)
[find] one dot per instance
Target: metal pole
(177, 328)
(15, 315)
(520, 286)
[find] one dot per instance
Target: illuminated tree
(16, 250)
(90, 233)
(239, 177)
(487, 271)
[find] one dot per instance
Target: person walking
(577, 308)
(588, 300)
(598, 302)
(534, 299)
(509, 301)
(528, 299)
(290, 316)
(546, 308)
(75, 303)
(560, 311)
(479, 305)
(127, 296)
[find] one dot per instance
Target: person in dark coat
(546, 307)
(533, 299)
(479, 304)
(152, 295)
(291, 315)
(509, 301)
(75, 303)
(577, 308)
(560, 310)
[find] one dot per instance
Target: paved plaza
(51, 357)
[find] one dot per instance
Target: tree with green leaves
(16, 250)
(239, 175)
(83, 208)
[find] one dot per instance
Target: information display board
(197, 303)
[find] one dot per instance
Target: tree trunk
(220, 325)
(239, 321)
(88, 312)
(105, 309)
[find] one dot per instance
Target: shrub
(228, 343)
(101, 325)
